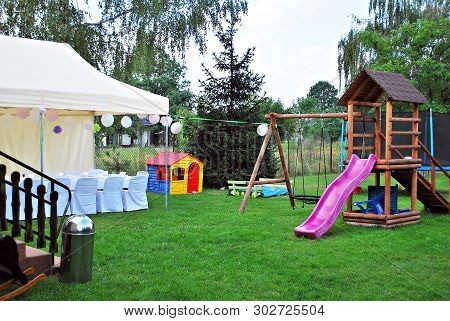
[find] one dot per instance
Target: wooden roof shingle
(370, 85)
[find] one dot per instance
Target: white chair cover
(8, 202)
(63, 197)
(73, 173)
(84, 198)
(135, 198)
(95, 172)
(110, 199)
(142, 173)
(51, 174)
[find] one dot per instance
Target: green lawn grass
(202, 249)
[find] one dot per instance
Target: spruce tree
(231, 91)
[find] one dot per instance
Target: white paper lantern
(153, 119)
(262, 130)
(176, 128)
(107, 120)
(35, 115)
(166, 120)
(126, 122)
(7, 121)
(142, 116)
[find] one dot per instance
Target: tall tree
(109, 43)
(166, 77)
(326, 96)
(232, 91)
(384, 16)
(418, 50)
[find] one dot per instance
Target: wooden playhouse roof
(172, 157)
(370, 85)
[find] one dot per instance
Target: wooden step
(404, 147)
(405, 133)
(21, 246)
(40, 260)
(400, 119)
(433, 201)
(360, 135)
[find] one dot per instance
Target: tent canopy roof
(47, 74)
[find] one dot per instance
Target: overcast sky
(295, 40)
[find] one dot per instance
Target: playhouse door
(193, 178)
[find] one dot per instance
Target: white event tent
(42, 75)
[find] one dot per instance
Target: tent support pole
(41, 142)
(166, 161)
(95, 148)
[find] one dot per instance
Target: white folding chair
(84, 198)
(135, 198)
(142, 173)
(63, 196)
(122, 174)
(95, 172)
(110, 199)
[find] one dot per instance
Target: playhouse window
(177, 174)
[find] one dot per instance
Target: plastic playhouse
(185, 173)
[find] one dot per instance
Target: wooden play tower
(365, 93)
(365, 99)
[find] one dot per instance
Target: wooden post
(377, 132)
(350, 148)
(414, 155)
(387, 192)
(414, 190)
(388, 135)
(255, 170)
(41, 217)
(350, 132)
(377, 178)
(3, 225)
(387, 174)
(377, 140)
(283, 162)
(54, 222)
(28, 209)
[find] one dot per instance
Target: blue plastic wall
(154, 185)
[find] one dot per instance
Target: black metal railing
(16, 189)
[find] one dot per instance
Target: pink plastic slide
(331, 202)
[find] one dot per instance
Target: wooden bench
(239, 187)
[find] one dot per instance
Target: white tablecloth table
(101, 181)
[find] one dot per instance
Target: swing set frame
(273, 131)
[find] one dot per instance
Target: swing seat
(307, 199)
(375, 203)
